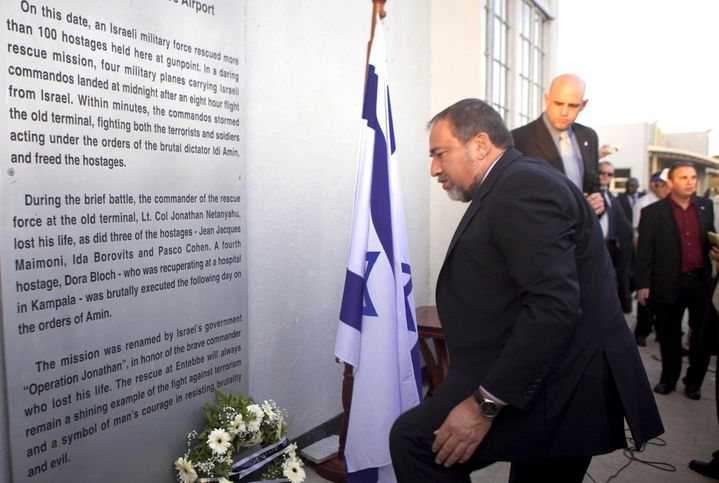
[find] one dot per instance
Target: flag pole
(377, 11)
(334, 469)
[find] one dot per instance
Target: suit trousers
(702, 345)
(620, 264)
(645, 320)
(694, 296)
(413, 460)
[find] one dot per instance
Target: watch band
(487, 407)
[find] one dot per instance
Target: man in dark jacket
(543, 368)
(629, 198)
(617, 231)
(557, 138)
(674, 273)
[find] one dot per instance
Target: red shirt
(688, 226)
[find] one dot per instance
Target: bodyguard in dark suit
(617, 231)
(628, 199)
(674, 274)
(557, 138)
(543, 368)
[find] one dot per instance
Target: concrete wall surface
(305, 65)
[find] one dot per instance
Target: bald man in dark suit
(556, 137)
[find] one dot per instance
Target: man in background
(557, 138)
(617, 232)
(658, 190)
(629, 198)
(674, 273)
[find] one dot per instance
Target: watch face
(488, 408)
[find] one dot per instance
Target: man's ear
(483, 143)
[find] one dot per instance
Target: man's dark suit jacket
(659, 255)
(624, 251)
(534, 140)
(622, 224)
(626, 205)
(530, 312)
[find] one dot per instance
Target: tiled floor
(691, 427)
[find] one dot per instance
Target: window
(531, 68)
(515, 58)
(497, 55)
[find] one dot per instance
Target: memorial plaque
(123, 217)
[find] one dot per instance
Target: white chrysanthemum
(256, 420)
(223, 480)
(237, 425)
(185, 470)
(219, 441)
(293, 471)
(268, 409)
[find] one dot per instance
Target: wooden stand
(334, 468)
(428, 327)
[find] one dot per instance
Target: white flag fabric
(377, 332)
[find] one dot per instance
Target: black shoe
(664, 388)
(692, 391)
(641, 341)
(710, 470)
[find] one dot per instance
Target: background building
(644, 149)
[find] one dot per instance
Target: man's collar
(492, 165)
(674, 203)
(552, 131)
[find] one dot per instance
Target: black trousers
(645, 321)
(694, 296)
(621, 263)
(413, 460)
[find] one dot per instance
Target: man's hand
(714, 254)
(460, 434)
(596, 201)
(642, 296)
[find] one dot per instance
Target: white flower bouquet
(234, 423)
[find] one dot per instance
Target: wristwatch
(488, 408)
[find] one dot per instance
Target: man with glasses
(674, 273)
(617, 236)
(565, 144)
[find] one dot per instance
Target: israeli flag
(377, 332)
